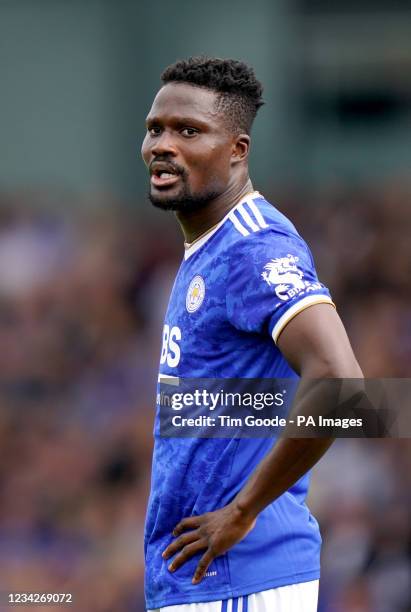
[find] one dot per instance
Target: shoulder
(254, 214)
(257, 227)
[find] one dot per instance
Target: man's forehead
(185, 100)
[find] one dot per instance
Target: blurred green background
(85, 269)
(78, 78)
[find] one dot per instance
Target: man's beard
(184, 201)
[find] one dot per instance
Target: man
(227, 527)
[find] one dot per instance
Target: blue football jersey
(236, 289)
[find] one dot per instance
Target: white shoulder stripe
(257, 213)
(246, 216)
(237, 224)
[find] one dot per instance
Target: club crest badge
(195, 294)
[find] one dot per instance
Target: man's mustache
(176, 167)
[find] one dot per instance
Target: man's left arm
(316, 346)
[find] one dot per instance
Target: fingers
(190, 522)
(202, 566)
(186, 538)
(190, 543)
(187, 552)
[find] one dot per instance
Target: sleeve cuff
(297, 308)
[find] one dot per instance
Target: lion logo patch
(195, 294)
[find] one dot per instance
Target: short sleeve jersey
(237, 288)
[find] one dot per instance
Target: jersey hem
(242, 591)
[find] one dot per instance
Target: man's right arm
(316, 345)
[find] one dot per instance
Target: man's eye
(154, 131)
(189, 131)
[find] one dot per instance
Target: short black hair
(238, 88)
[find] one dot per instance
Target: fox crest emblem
(283, 274)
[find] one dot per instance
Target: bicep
(316, 344)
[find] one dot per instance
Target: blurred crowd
(83, 290)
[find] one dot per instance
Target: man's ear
(241, 148)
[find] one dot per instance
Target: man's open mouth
(163, 174)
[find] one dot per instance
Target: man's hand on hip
(215, 532)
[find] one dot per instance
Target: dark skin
(184, 129)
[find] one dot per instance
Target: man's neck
(198, 222)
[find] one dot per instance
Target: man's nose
(164, 145)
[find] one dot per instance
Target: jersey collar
(194, 246)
